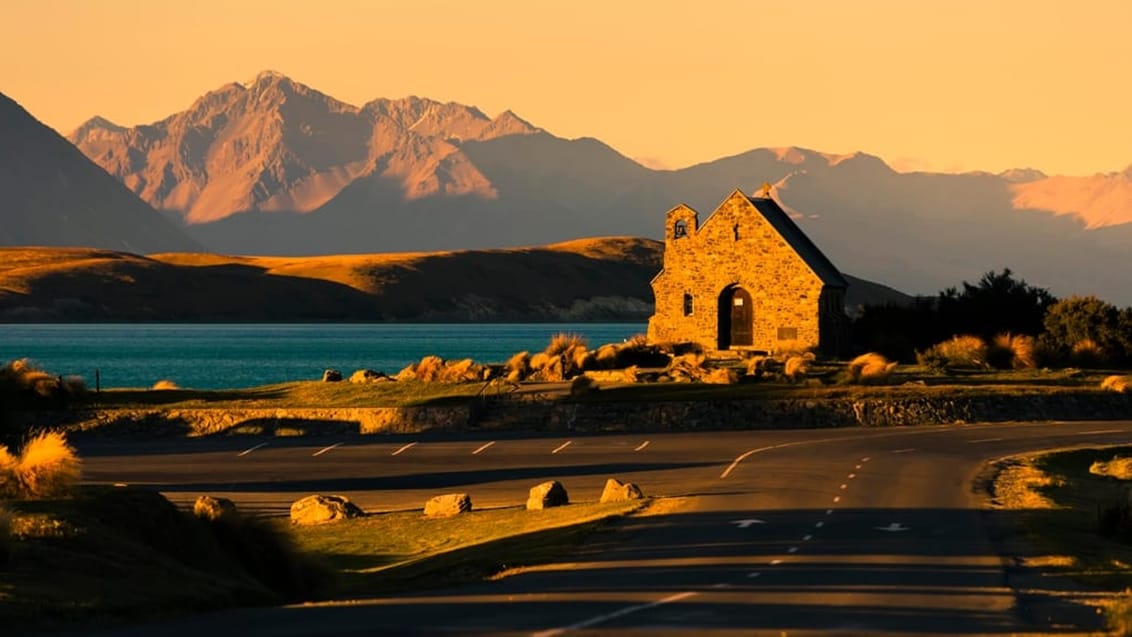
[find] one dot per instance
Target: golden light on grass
(46, 467)
(164, 384)
(868, 368)
(1118, 384)
(1119, 468)
(1012, 351)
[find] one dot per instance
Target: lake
(211, 356)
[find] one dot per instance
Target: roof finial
(764, 191)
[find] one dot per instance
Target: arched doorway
(736, 318)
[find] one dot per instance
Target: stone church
(746, 279)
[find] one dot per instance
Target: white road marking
(807, 538)
(1101, 431)
(904, 450)
(721, 585)
(837, 498)
(485, 446)
(865, 459)
(852, 475)
(601, 619)
(404, 449)
(844, 487)
(829, 511)
(562, 446)
(748, 522)
(642, 445)
(819, 525)
(858, 467)
(325, 449)
(775, 562)
(792, 549)
(247, 451)
(753, 575)
(892, 528)
(973, 442)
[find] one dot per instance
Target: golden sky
(934, 84)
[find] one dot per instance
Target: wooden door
(742, 319)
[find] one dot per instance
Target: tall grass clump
(23, 377)
(517, 367)
(46, 467)
(963, 352)
(1012, 351)
(434, 369)
(868, 368)
(164, 385)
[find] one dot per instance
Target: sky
(947, 86)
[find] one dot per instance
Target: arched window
(679, 230)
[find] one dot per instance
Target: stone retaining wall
(516, 415)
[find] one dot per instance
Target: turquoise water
(207, 356)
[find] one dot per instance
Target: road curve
(796, 532)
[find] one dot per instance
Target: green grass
(403, 550)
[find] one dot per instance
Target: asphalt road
(796, 532)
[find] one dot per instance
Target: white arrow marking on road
(642, 445)
(748, 522)
(325, 449)
(476, 452)
(247, 451)
(562, 446)
(405, 448)
(892, 528)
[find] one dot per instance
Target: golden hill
(585, 279)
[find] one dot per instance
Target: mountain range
(275, 167)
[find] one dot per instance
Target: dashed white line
(807, 538)
(484, 446)
(792, 549)
(844, 487)
(642, 445)
(904, 450)
(754, 575)
(601, 619)
(829, 511)
(837, 498)
(858, 467)
(865, 459)
(819, 525)
(852, 475)
(247, 451)
(973, 442)
(721, 585)
(325, 449)
(404, 449)
(562, 446)
(775, 562)
(1102, 431)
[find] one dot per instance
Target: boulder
(368, 376)
(547, 495)
(331, 376)
(444, 506)
(617, 491)
(211, 508)
(317, 509)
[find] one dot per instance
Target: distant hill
(582, 280)
(50, 194)
(275, 167)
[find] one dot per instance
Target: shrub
(958, 351)
(1119, 468)
(797, 367)
(517, 367)
(686, 368)
(21, 376)
(582, 385)
(562, 342)
(46, 467)
(868, 368)
(1087, 353)
(719, 376)
(162, 385)
(461, 371)
(1093, 326)
(1012, 351)
(1118, 384)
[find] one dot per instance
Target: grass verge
(404, 550)
(1052, 504)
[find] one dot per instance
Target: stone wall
(736, 246)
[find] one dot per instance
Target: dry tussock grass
(1118, 384)
(1087, 353)
(869, 368)
(434, 369)
(719, 376)
(797, 367)
(785, 350)
(23, 376)
(963, 351)
(164, 384)
(563, 342)
(46, 467)
(1012, 351)
(1119, 468)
